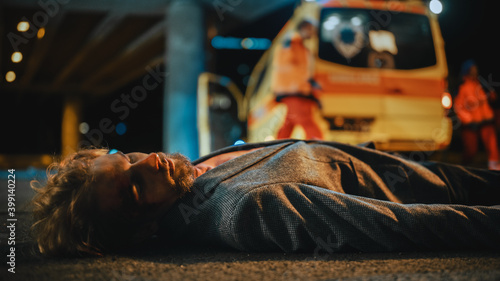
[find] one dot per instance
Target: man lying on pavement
(276, 196)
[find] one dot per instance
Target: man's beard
(183, 174)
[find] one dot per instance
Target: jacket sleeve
(299, 217)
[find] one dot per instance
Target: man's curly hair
(63, 208)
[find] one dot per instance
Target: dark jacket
(323, 196)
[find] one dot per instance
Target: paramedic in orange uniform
(292, 83)
(476, 115)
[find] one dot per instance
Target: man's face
(307, 31)
(139, 185)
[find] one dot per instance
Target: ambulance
(382, 76)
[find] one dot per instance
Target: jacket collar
(192, 206)
(209, 180)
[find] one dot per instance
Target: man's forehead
(104, 165)
(106, 171)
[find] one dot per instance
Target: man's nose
(150, 162)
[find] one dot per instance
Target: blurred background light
(84, 127)
(331, 22)
(239, 142)
(10, 76)
(40, 33)
(121, 128)
(23, 26)
(446, 100)
(356, 21)
(221, 42)
(17, 57)
(249, 43)
(436, 6)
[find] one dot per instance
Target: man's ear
(146, 230)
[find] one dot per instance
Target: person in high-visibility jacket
(476, 116)
(292, 83)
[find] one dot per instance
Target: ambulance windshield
(375, 39)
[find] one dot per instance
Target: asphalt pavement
(190, 263)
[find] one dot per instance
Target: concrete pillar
(70, 135)
(184, 61)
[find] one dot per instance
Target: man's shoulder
(242, 147)
(285, 142)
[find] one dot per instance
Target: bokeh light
(41, 33)
(436, 6)
(84, 128)
(10, 76)
(23, 26)
(121, 128)
(17, 57)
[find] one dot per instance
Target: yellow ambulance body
(382, 73)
